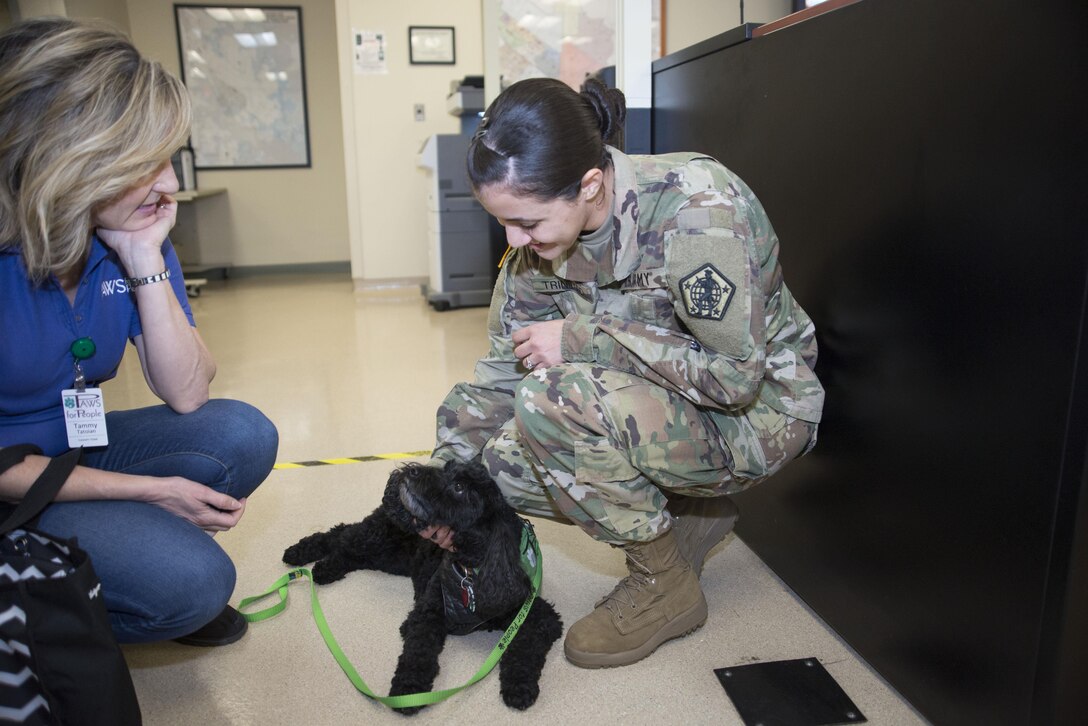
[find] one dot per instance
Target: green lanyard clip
(81, 349)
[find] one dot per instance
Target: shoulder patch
(714, 290)
(707, 293)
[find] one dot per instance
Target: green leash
(530, 562)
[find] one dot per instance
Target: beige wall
(274, 216)
(22, 9)
(689, 21)
(392, 189)
(299, 216)
(112, 11)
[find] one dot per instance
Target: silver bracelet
(137, 281)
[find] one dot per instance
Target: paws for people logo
(87, 404)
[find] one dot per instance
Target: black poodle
(481, 584)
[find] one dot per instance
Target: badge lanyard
(82, 349)
(83, 407)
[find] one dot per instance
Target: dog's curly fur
(487, 537)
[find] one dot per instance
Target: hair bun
(610, 107)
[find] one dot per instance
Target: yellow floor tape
(353, 459)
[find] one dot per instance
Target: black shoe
(227, 627)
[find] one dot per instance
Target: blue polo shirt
(38, 326)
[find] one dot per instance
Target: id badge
(84, 417)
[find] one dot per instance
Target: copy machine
(464, 243)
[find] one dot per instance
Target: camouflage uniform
(688, 364)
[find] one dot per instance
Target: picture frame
(432, 45)
(245, 71)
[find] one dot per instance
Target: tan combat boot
(659, 600)
(700, 523)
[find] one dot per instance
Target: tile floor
(357, 374)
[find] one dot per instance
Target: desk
(201, 236)
(191, 195)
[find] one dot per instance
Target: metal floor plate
(787, 693)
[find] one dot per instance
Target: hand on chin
(144, 229)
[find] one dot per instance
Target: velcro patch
(714, 290)
(553, 284)
(707, 293)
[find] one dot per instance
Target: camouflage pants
(600, 448)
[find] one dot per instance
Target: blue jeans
(162, 576)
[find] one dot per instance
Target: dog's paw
(409, 710)
(298, 554)
(308, 549)
(324, 572)
(404, 684)
(520, 695)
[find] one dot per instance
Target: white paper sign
(369, 49)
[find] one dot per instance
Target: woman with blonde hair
(87, 129)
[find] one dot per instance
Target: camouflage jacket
(687, 293)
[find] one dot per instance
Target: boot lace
(624, 595)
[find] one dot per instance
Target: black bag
(59, 661)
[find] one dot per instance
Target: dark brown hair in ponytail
(611, 108)
(540, 137)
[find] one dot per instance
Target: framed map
(564, 39)
(244, 70)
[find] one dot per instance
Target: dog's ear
(501, 577)
(501, 573)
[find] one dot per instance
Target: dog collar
(458, 587)
(459, 599)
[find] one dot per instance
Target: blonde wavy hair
(83, 118)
